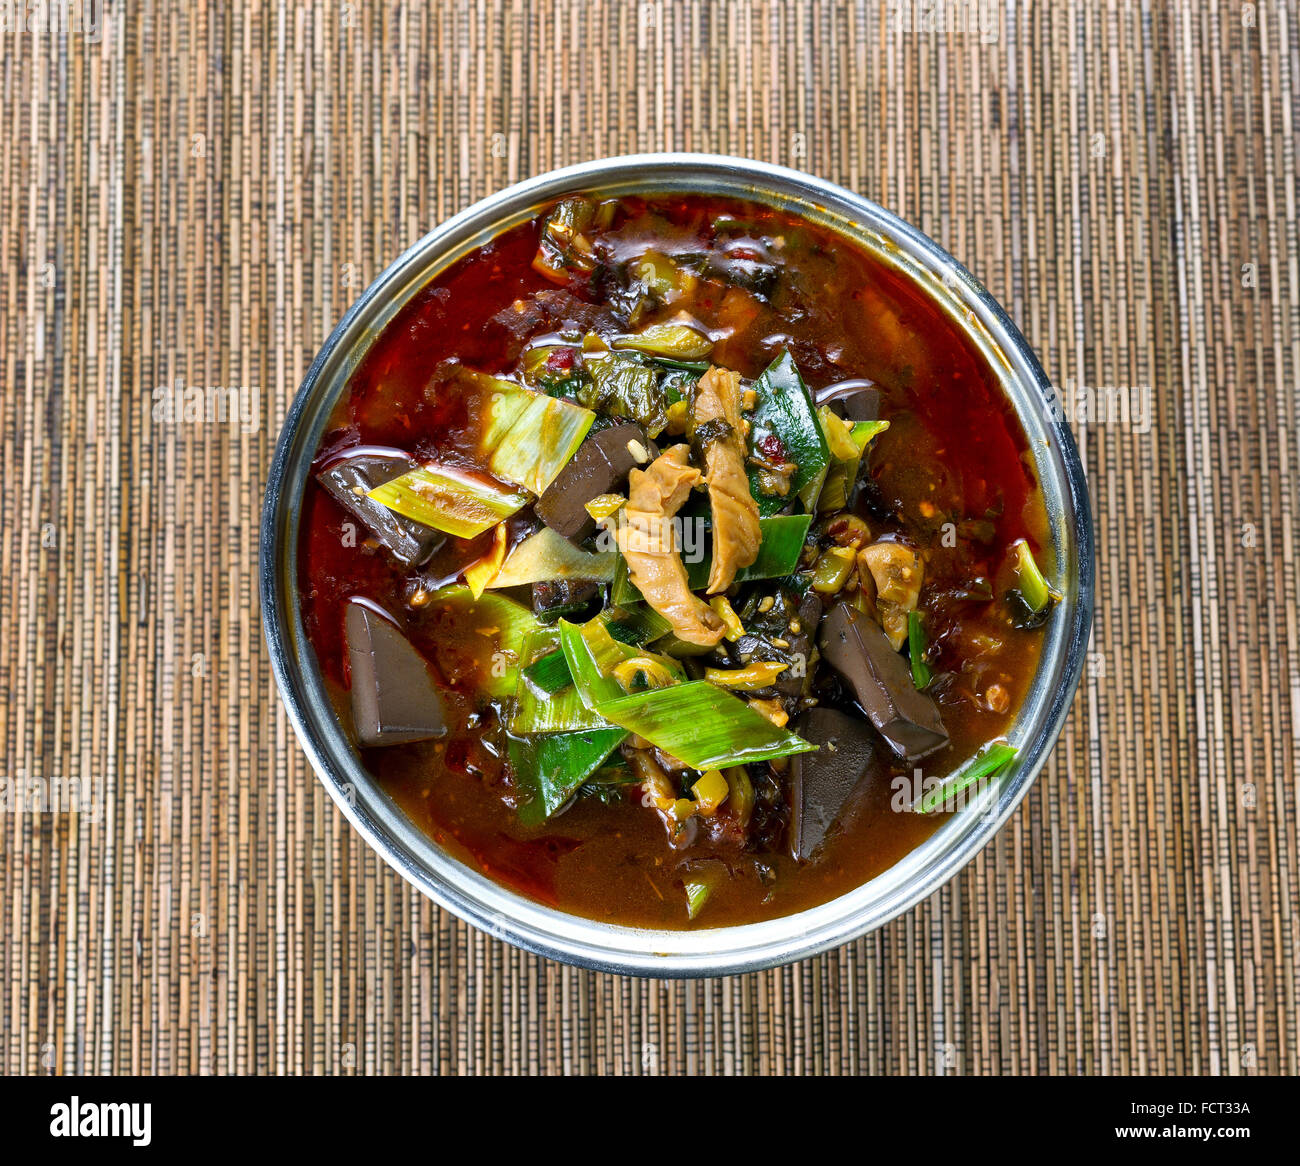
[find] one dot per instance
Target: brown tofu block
(393, 697)
(600, 466)
(410, 543)
(856, 647)
(822, 783)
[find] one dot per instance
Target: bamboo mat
(197, 194)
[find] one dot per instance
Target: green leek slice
(702, 726)
(505, 626)
(448, 500)
(990, 761)
(553, 766)
(543, 434)
(546, 556)
(785, 410)
(541, 710)
(922, 673)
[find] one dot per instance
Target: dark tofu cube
(801, 645)
(822, 783)
(556, 598)
(856, 647)
(347, 481)
(600, 466)
(393, 697)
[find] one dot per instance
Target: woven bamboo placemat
(193, 195)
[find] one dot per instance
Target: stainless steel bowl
(510, 916)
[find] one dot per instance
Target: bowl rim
(573, 939)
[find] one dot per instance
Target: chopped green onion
(676, 341)
(864, 431)
(637, 623)
(448, 500)
(697, 894)
(552, 767)
(922, 674)
(623, 591)
(540, 440)
(785, 411)
(988, 762)
(501, 403)
(1034, 589)
(547, 556)
(550, 672)
(846, 443)
(702, 726)
(504, 624)
(541, 710)
(782, 537)
(592, 655)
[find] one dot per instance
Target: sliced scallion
(922, 674)
(697, 894)
(553, 766)
(538, 709)
(702, 726)
(448, 500)
(1034, 589)
(592, 655)
(543, 436)
(546, 556)
(504, 625)
(550, 672)
(637, 623)
(989, 762)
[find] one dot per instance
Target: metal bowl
(725, 950)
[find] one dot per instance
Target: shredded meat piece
(735, 513)
(897, 572)
(645, 536)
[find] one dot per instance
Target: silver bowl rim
(545, 931)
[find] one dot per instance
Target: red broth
(954, 454)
